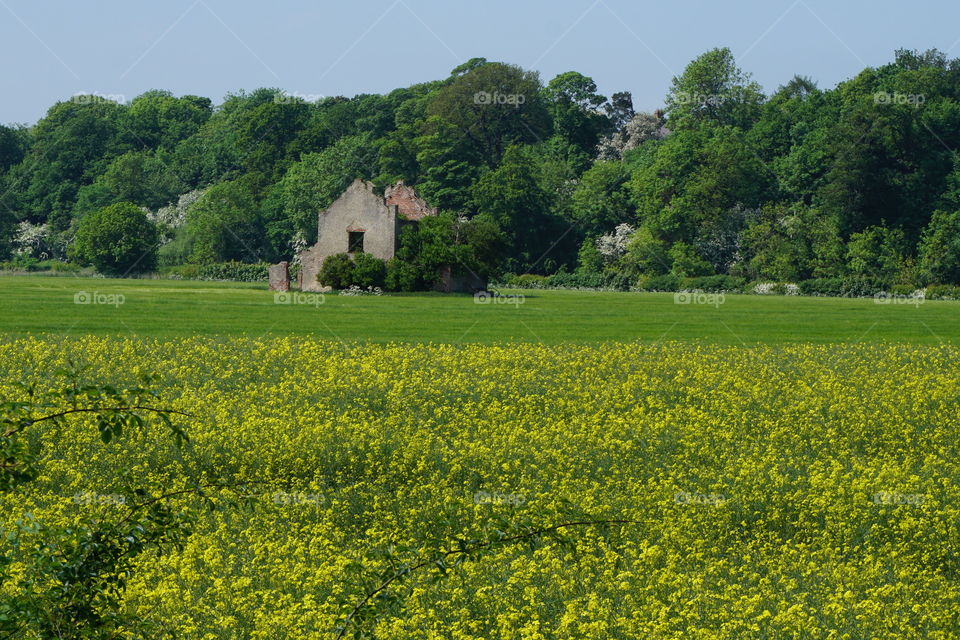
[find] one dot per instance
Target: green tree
(337, 271)
(512, 196)
(686, 262)
(876, 252)
(158, 120)
(368, 271)
(493, 106)
(470, 247)
(939, 250)
(225, 224)
(448, 165)
(696, 176)
(72, 144)
(311, 185)
(240, 137)
(775, 244)
(620, 109)
(117, 240)
(140, 177)
(14, 142)
(601, 200)
(266, 130)
(646, 255)
(712, 89)
(573, 103)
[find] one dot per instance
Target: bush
(368, 271)
(236, 271)
(667, 282)
(23, 263)
(30, 264)
(336, 271)
(762, 288)
(863, 287)
(855, 287)
(822, 287)
(402, 276)
(527, 281)
(687, 262)
(183, 272)
(939, 249)
(117, 240)
(943, 292)
(56, 266)
(177, 251)
(903, 289)
(230, 271)
(875, 251)
(619, 281)
(577, 280)
(713, 284)
(566, 280)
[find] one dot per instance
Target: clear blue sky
(53, 49)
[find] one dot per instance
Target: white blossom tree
(613, 246)
(640, 128)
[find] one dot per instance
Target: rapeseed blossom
(778, 456)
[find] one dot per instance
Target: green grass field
(167, 308)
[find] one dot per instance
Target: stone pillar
(279, 276)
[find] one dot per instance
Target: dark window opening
(355, 242)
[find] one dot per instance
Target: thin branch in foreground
(467, 549)
(66, 412)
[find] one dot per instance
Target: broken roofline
(409, 205)
(402, 198)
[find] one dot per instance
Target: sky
(54, 49)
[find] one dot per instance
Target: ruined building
(362, 221)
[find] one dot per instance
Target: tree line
(858, 181)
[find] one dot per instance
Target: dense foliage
(68, 578)
(118, 239)
(856, 181)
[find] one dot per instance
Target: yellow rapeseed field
(772, 492)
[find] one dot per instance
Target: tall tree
(574, 106)
(712, 89)
(494, 105)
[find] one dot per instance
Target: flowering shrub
(765, 288)
(614, 245)
(943, 292)
(354, 290)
